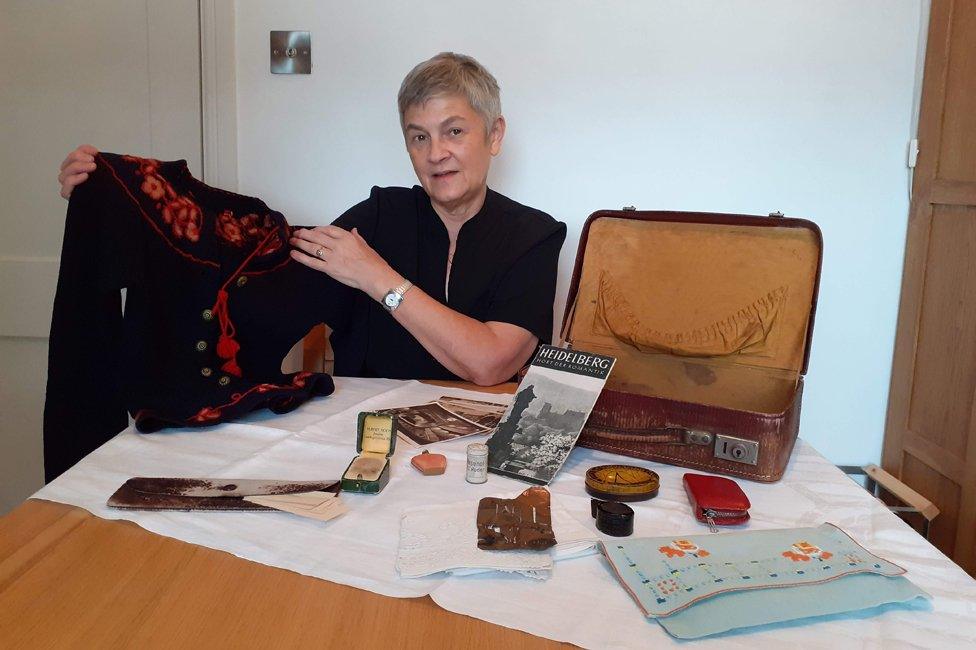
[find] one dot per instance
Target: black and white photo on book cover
(545, 418)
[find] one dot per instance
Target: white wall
(738, 106)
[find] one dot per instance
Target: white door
(118, 74)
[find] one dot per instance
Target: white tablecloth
(581, 603)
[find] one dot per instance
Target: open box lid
(738, 288)
(376, 433)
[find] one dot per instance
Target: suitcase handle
(666, 435)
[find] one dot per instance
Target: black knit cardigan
(213, 303)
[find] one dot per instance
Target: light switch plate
(291, 52)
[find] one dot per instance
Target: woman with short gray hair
(466, 277)
(452, 74)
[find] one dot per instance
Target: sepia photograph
(446, 419)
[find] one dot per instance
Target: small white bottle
(477, 471)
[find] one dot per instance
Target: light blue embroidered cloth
(706, 584)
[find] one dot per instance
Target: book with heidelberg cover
(548, 412)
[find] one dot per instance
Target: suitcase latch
(692, 437)
(737, 450)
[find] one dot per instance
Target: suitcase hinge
(776, 215)
(629, 208)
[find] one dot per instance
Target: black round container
(612, 518)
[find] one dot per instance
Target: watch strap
(403, 288)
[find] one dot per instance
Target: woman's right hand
(75, 168)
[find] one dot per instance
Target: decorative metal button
(207, 314)
(241, 281)
(201, 346)
(223, 381)
(206, 372)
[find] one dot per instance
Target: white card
(315, 505)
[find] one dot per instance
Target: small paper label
(376, 433)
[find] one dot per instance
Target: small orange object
(429, 464)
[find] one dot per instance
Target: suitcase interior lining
(714, 314)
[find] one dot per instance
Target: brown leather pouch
(710, 317)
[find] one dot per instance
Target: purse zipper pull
(710, 518)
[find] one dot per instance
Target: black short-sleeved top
(504, 269)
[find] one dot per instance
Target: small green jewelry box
(369, 472)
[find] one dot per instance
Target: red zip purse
(716, 501)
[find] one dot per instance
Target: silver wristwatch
(394, 296)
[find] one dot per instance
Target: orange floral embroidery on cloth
(212, 413)
(805, 551)
(185, 218)
(682, 547)
(179, 212)
(668, 587)
(247, 230)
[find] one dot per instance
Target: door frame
(218, 93)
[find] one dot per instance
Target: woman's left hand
(345, 256)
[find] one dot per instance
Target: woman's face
(451, 153)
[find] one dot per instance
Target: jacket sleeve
(84, 405)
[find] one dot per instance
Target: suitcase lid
(694, 284)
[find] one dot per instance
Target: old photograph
(446, 419)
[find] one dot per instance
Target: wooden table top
(71, 579)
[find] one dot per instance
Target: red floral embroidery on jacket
(212, 413)
(179, 212)
(206, 414)
(229, 229)
(248, 230)
(154, 186)
(185, 218)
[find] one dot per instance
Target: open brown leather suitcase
(710, 317)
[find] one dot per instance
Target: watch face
(391, 300)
